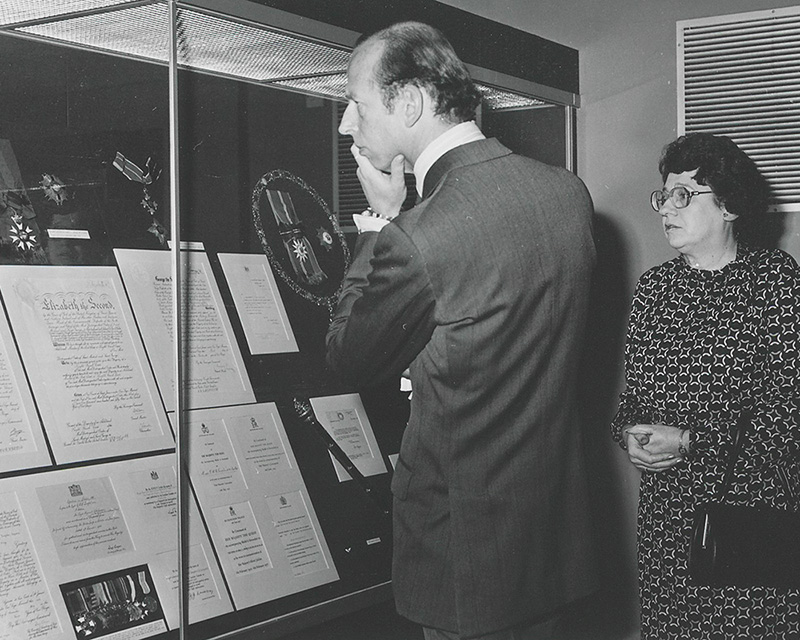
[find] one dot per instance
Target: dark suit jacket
(482, 289)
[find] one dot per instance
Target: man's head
(405, 85)
(416, 53)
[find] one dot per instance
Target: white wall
(628, 113)
(628, 99)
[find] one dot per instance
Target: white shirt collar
(454, 137)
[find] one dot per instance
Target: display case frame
(182, 41)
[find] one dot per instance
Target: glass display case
(175, 207)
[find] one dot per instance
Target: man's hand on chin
(385, 191)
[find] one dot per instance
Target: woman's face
(700, 225)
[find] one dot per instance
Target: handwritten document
(215, 372)
(258, 303)
(256, 504)
(21, 439)
(345, 419)
(26, 609)
(86, 364)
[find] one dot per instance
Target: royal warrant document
(214, 371)
(85, 361)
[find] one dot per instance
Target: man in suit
(481, 289)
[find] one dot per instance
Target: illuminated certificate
(85, 361)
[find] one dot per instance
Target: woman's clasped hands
(653, 447)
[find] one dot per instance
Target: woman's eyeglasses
(680, 197)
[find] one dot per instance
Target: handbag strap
(742, 423)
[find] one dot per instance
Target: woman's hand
(653, 447)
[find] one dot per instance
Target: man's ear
(412, 103)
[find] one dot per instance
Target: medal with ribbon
(301, 253)
(301, 238)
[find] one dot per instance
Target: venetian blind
(739, 75)
(350, 198)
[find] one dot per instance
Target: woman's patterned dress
(700, 346)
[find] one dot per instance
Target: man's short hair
(418, 54)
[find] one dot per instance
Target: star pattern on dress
(700, 345)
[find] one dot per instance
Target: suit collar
(455, 136)
(470, 153)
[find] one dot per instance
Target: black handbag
(744, 546)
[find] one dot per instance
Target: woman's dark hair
(418, 54)
(722, 165)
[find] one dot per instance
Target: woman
(711, 332)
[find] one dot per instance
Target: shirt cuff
(368, 223)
